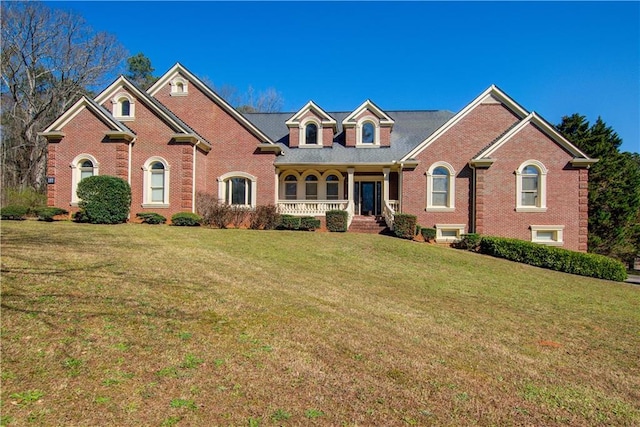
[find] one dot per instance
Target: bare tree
(49, 59)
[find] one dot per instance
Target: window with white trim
(441, 187)
(290, 187)
(311, 187)
(155, 183)
(367, 132)
(311, 134)
(552, 235)
(123, 106)
(531, 187)
(449, 233)
(333, 187)
(179, 87)
(83, 166)
(238, 189)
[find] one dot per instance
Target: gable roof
(180, 69)
(294, 121)
(491, 94)
(184, 132)
(579, 158)
(54, 130)
(350, 120)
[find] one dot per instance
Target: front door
(369, 199)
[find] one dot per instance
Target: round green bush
(186, 219)
(104, 199)
(47, 214)
(151, 218)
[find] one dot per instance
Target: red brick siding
(456, 146)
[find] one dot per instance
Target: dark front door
(370, 197)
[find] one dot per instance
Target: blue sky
(555, 58)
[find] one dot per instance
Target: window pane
(238, 191)
(126, 107)
(311, 134)
(86, 164)
(440, 183)
(439, 199)
(546, 235)
(449, 233)
(530, 170)
(157, 195)
(312, 190)
(157, 179)
(529, 183)
(332, 191)
(157, 166)
(290, 190)
(528, 199)
(368, 133)
(440, 171)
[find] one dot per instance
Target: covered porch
(312, 191)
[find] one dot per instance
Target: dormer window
(123, 106)
(179, 87)
(311, 134)
(368, 133)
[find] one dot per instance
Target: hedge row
(290, 222)
(584, 264)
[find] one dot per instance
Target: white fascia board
(368, 105)
(74, 110)
(492, 90)
(164, 79)
(325, 118)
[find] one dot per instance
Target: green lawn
(158, 325)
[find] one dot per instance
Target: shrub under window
(104, 199)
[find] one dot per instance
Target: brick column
(51, 171)
(186, 178)
(479, 198)
(583, 210)
(122, 161)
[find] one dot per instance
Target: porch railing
(310, 207)
(388, 211)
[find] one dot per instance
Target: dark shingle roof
(409, 130)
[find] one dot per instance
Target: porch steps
(368, 224)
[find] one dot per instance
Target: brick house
(492, 168)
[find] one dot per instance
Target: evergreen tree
(140, 71)
(614, 188)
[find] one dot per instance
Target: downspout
(193, 181)
(473, 200)
(129, 166)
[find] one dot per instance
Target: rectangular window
(552, 235)
(290, 190)
(332, 191)
(529, 190)
(312, 190)
(449, 233)
(157, 187)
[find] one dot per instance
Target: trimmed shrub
(14, 213)
(264, 217)
(309, 223)
(186, 219)
(404, 225)
(104, 199)
(469, 242)
(151, 218)
(429, 234)
(290, 222)
(337, 220)
(584, 264)
(47, 214)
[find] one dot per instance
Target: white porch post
(385, 184)
(276, 186)
(400, 189)
(350, 187)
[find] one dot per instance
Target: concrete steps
(368, 224)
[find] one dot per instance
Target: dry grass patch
(139, 325)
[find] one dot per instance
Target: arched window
(179, 86)
(157, 182)
(125, 107)
(155, 192)
(531, 179)
(441, 187)
(86, 169)
(290, 187)
(311, 187)
(83, 166)
(311, 134)
(368, 133)
(333, 187)
(237, 188)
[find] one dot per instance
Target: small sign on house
(51, 180)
